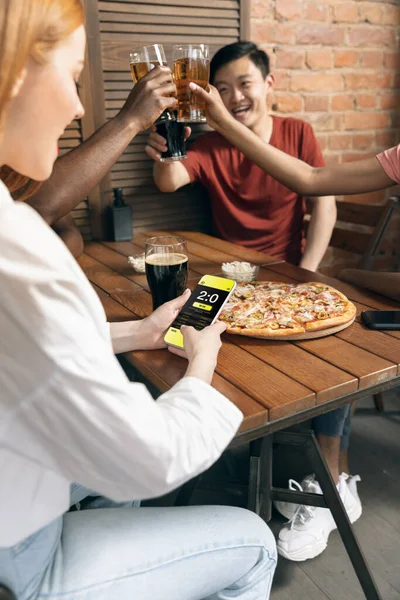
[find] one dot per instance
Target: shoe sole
(312, 551)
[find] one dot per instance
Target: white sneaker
(306, 535)
(308, 484)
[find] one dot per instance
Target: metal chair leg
(378, 401)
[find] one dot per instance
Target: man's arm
(66, 229)
(79, 171)
(322, 222)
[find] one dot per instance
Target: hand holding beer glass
(166, 264)
(142, 61)
(190, 64)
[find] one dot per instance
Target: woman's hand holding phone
(201, 350)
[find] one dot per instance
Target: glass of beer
(143, 60)
(190, 64)
(166, 264)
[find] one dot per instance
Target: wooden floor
(375, 456)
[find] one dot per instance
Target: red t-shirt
(250, 207)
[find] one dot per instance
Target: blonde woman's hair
(29, 29)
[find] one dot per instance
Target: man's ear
(270, 83)
(18, 83)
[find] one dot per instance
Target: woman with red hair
(68, 413)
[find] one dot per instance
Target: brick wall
(337, 66)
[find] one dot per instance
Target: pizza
(269, 309)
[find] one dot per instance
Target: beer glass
(190, 63)
(166, 264)
(143, 60)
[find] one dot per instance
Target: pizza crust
(266, 333)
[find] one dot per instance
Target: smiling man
(249, 207)
(254, 210)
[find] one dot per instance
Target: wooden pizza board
(310, 335)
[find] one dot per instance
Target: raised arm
(79, 171)
(350, 178)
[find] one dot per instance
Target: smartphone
(381, 319)
(203, 307)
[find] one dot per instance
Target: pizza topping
(271, 306)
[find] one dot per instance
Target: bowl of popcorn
(240, 271)
(137, 263)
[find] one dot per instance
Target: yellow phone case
(173, 337)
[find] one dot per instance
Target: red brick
(390, 100)
(363, 141)
(260, 9)
(272, 33)
(319, 59)
(372, 59)
(391, 60)
(385, 139)
(366, 100)
(355, 156)
(391, 15)
(315, 11)
(324, 121)
(345, 58)
(289, 59)
(282, 80)
(365, 120)
(315, 82)
(372, 14)
(345, 13)
(288, 9)
(342, 102)
(289, 103)
(367, 81)
(316, 103)
(326, 35)
(341, 141)
(322, 140)
(372, 36)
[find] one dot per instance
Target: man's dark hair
(238, 50)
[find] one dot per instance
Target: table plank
(106, 278)
(115, 312)
(326, 380)
(374, 341)
(242, 253)
(164, 369)
(369, 368)
(271, 388)
(115, 261)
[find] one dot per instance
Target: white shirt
(68, 413)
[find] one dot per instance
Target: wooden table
(275, 384)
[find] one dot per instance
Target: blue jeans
(188, 553)
(336, 423)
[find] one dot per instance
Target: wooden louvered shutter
(122, 26)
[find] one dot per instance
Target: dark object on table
(121, 217)
(381, 319)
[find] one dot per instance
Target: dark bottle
(121, 218)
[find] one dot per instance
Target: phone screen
(202, 308)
